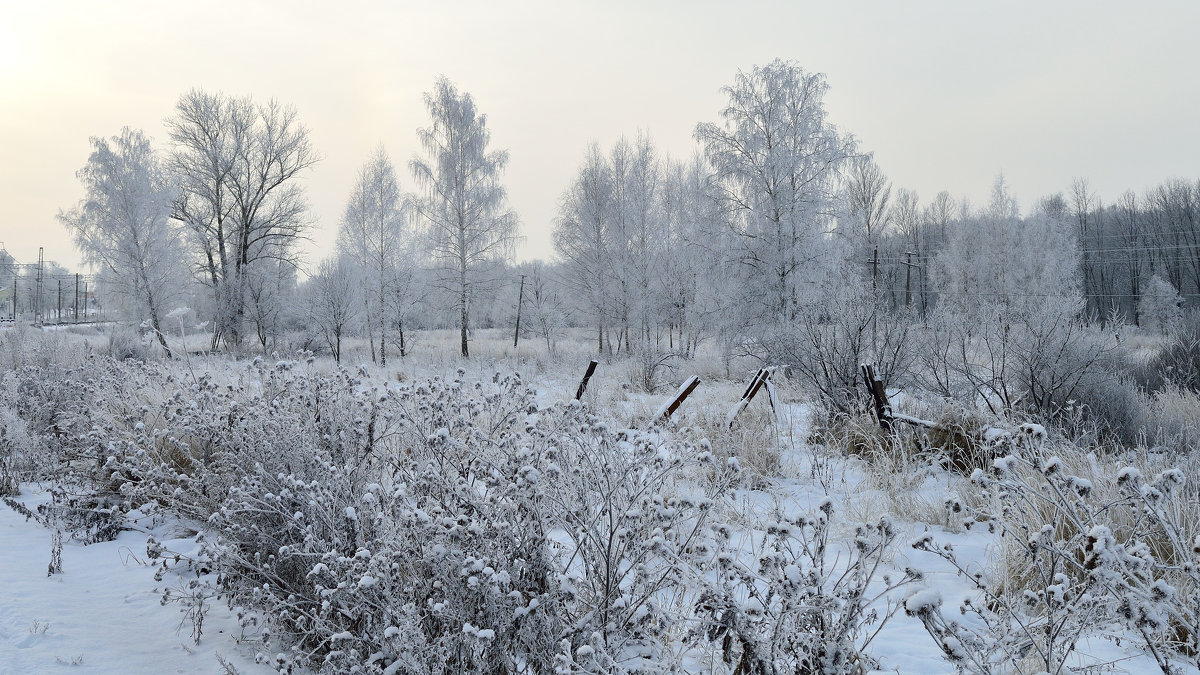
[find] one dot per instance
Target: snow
(924, 600)
(102, 614)
(48, 622)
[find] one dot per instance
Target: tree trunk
(162, 340)
(463, 322)
(382, 326)
(462, 286)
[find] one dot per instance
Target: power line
(997, 294)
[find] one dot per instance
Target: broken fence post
(591, 369)
(664, 413)
(883, 409)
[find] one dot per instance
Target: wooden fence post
(591, 369)
(883, 409)
(664, 413)
(760, 378)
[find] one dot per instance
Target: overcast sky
(946, 94)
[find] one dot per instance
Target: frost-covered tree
(777, 161)
(123, 223)
(868, 194)
(636, 236)
(373, 237)
(998, 262)
(543, 310)
(270, 287)
(464, 206)
(333, 301)
(237, 163)
(693, 265)
(613, 235)
(582, 239)
(913, 232)
(1160, 306)
(8, 282)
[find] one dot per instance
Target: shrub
(126, 342)
(1085, 553)
(1177, 364)
(958, 440)
(1173, 419)
(825, 344)
(797, 605)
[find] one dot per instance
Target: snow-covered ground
(103, 613)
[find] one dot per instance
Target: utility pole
(58, 319)
(520, 298)
(908, 277)
(874, 263)
(85, 300)
(875, 271)
(875, 296)
(37, 310)
(75, 311)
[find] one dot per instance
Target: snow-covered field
(104, 612)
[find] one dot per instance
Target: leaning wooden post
(591, 369)
(753, 383)
(664, 413)
(760, 378)
(883, 409)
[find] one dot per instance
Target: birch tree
(238, 163)
(582, 237)
(123, 226)
(372, 236)
(777, 161)
(463, 205)
(998, 263)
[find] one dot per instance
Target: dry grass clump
(958, 440)
(854, 435)
(753, 440)
(1173, 419)
(1070, 518)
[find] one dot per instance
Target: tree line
(779, 219)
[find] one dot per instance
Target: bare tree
(1086, 209)
(372, 236)
(868, 192)
(332, 299)
(123, 223)
(270, 284)
(464, 206)
(237, 162)
(1132, 236)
